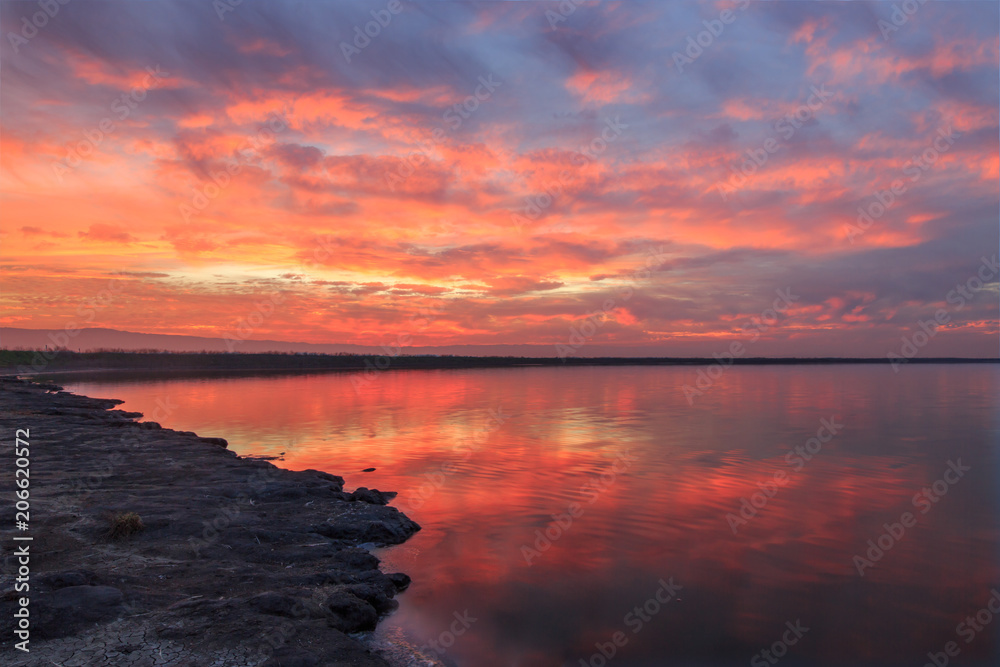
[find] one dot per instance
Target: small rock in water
(368, 470)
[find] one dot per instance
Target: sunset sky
(211, 157)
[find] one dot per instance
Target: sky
(663, 178)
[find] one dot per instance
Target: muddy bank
(237, 562)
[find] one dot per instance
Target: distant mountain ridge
(101, 338)
(97, 338)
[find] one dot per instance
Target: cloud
(105, 232)
(393, 186)
(30, 230)
(515, 285)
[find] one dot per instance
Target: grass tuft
(124, 524)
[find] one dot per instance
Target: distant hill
(113, 339)
(94, 339)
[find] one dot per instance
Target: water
(634, 487)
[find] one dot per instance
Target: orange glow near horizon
(536, 185)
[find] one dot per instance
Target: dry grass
(123, 525)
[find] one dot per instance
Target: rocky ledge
(237, 562)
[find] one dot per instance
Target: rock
(339, 481)
(290, 656)
(391, 527)
(378, 599)
(350, 613)
(399, 580)
(372, 496)
(56, 580)
(368, 470)
(357, 559)
(277, 604)
(281, 491)
(68, 610)
(229, 567)
(221, 442)
(87, 601)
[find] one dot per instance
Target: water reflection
(532, 530)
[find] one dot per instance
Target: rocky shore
(237, 562)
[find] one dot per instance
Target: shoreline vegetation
(56, 361)
(149, 546)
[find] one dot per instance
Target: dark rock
(48, 386)
(281, 491)
(390, 528)
(67, 610)
(274, 536)
(290, 656)
(399, 580)
(87, 601)
(372, 496)
(56, 580)
(377, 598)
(378, 579)
(324, 475)
(277, 604)
(221, 442)
(357, 559)
(230, 553)
(368, 470)
(350, 613)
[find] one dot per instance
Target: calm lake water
(636, 488)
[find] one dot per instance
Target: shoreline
(137, 366)
(239, 562)
(61, 362)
